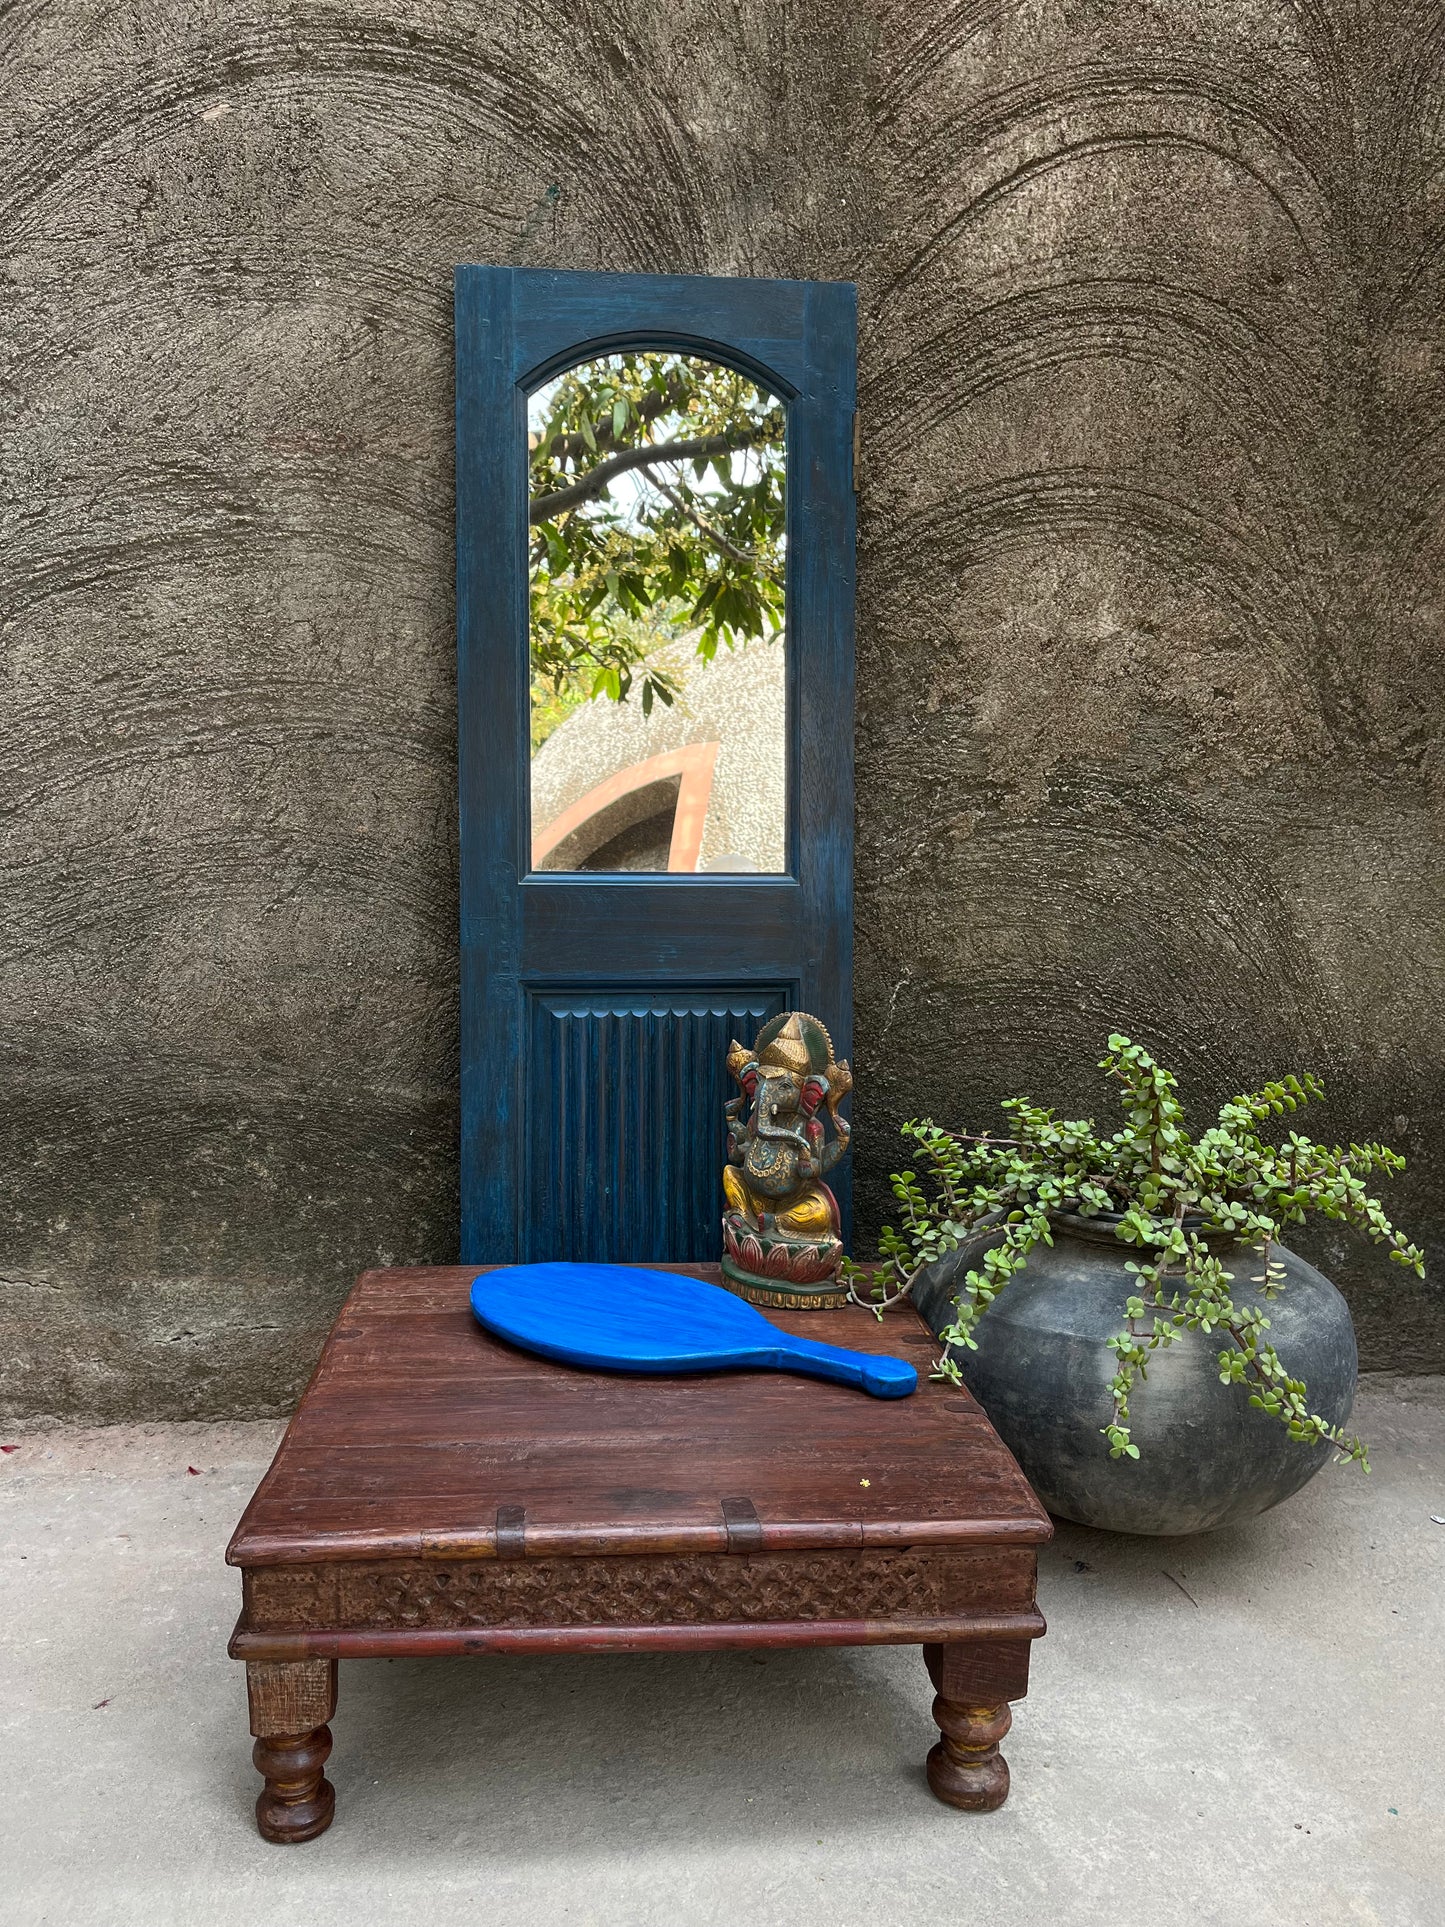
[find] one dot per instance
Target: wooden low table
(439, 1492)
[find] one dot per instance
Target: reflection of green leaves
(667, 543)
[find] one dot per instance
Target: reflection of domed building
(698, 786)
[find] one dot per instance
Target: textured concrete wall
(1150, 728)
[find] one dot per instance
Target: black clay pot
(1206, 1455)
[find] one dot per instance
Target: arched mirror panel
(657, 545)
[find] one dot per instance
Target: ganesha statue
(782, 1237)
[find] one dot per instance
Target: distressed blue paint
(638, 946)
(622, 1319)
(625, 1134)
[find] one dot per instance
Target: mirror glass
(658, 685)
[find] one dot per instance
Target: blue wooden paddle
(623, 1319)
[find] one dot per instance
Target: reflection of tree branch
(713, 535)
(545, 507)
(671, 398)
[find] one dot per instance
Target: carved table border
(637, 1602)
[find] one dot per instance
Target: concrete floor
(1242, 1729)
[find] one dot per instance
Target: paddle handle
(882, 1376)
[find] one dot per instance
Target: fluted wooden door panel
(625, 1148)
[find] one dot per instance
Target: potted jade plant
(1121, 1305)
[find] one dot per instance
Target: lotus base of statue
(781, 1272)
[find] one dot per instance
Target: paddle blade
(619, 1317)
(626, 1319)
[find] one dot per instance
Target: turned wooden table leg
(974, 1682)
(291, 1701)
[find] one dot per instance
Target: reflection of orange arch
(693, 766)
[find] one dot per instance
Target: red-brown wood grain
(418, 1427)
(439, 1492)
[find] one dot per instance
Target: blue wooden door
(596, 1007)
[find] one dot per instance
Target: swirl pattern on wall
(1149, 726)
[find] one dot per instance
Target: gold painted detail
(742, 1284)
